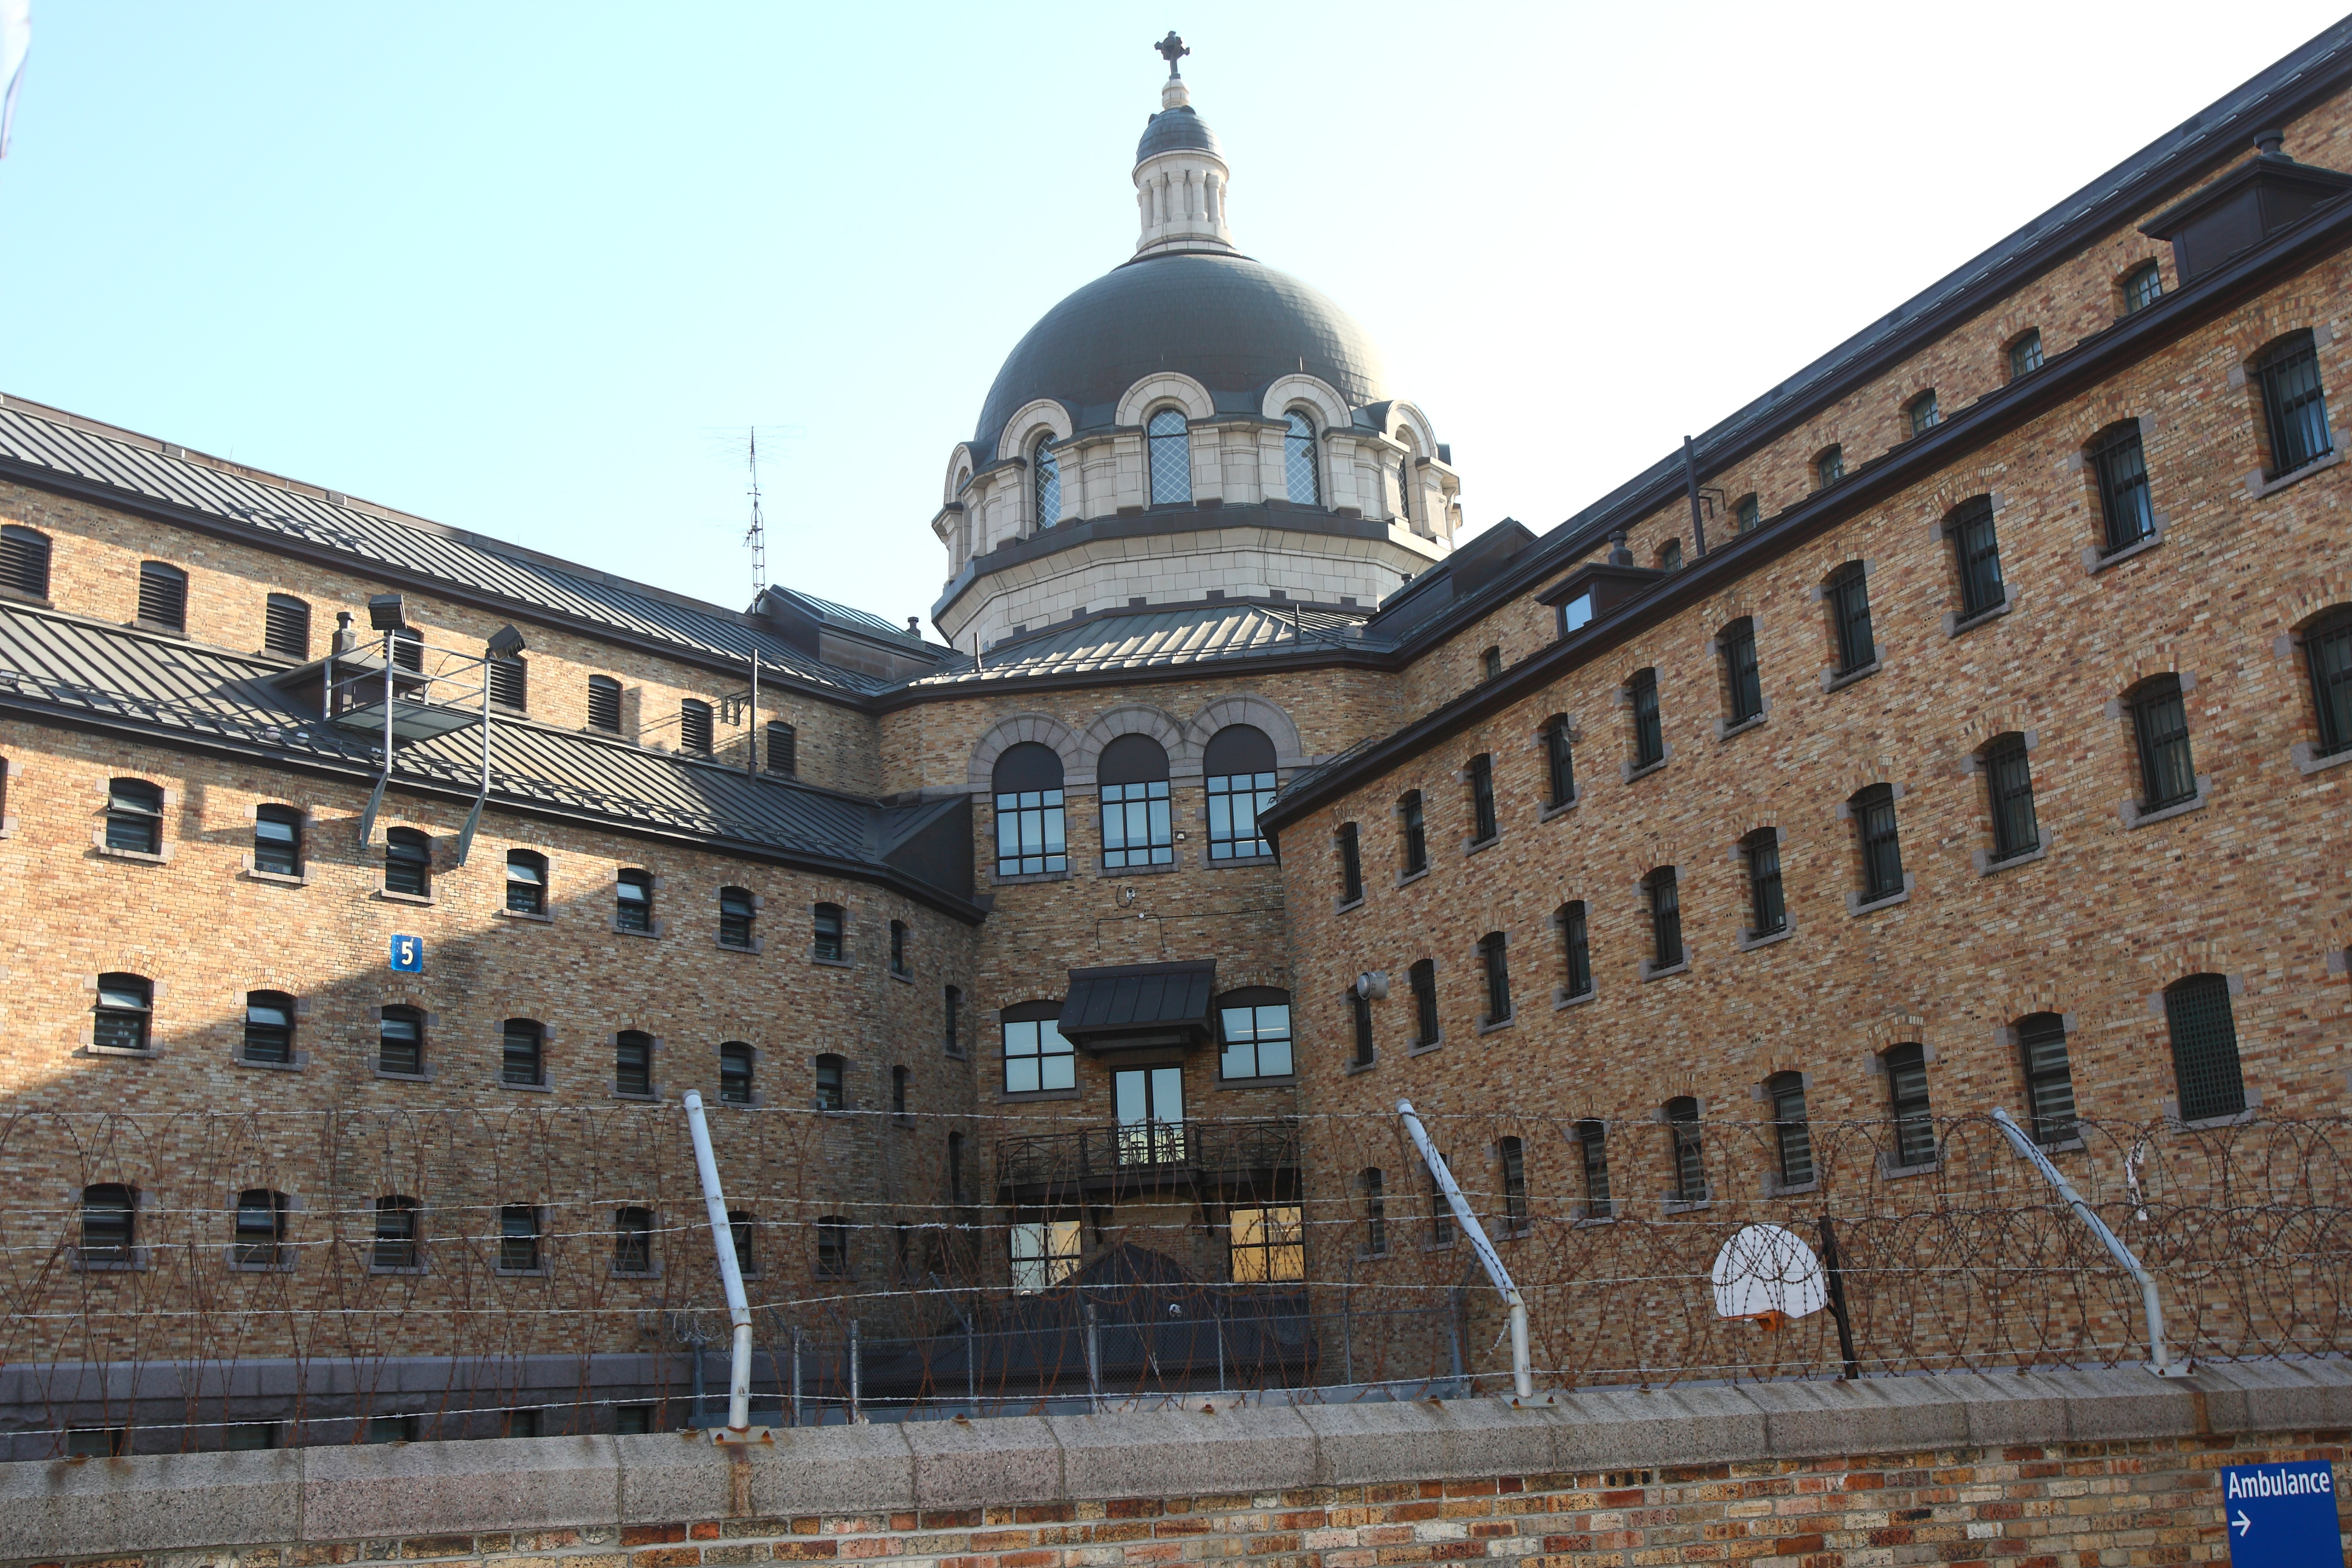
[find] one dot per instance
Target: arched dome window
(1027, 782)
(1172, 459)
(1298, 462)
(1404, 488)
(1047, 476)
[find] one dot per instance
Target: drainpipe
(1690, 478)
(2160, 1361)
(730, 1274)
(1522, 1378)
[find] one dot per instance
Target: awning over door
(1128, 1006)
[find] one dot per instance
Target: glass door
(1150, 1105)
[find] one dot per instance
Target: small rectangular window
(1560, 761)
(278, 840)
(2328, 659)
(2122, 470)
(1976, 550)
(1376, 1215)
(1793, 1134)
(1360, 1012)
(830, 945)
(1576, 942)
(519, 1232)
(783, 749)
(2142, 288)
(898, 965)
(1665, 918)
(1351, 865)
(526, 883)
(735, 914)
(1743, 681)
(1924, 414)
(1907, 1088)
(1849, 596)
(1044, 1254)
(951, 1009)
(109, 1213)
(633, 1064)
(521, 1056)
(407, 862)
(134, 817)
(633, 1241)
(1441, 1213)
(2206, 1067)
(400, 1042)
(1830, 466)
(2025, 354)
(1416, 835)
(286, 626)
(1649, 732)
(1268, 1246)
(2009, 783)
(23, 561)
(694, 731)
(633, 901)
(1766, 910)
(2294, 406)
(899, 1091)
(162, 596)
(1036, 1056)
(2160, 723)
(735, 1075)
(509, 683)
(2049, 1076)
(1687, 1143)
(603, 703)
(1494, 958)
(1482, 798)
(832, 1248)
(1882, 847)
(1748, 516)
(395, 1233)
(1514, 1160)
(125, 1003)
(1424, 976)
(260, 1230)
(1593, 1147)
(268, 1027)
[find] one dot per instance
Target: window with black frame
(1768, 914)
(1414, 829)
(1238, 764)
(522, 1052)
(1030, 828)
(400, 1042)
(633, 1064)
(899, 964)
(2120, 467)
(1441, 1213)
(109, 1212)
(1422, 979)
(397, 1233)
(1873, 810)
(2025, 353)
(134, 817)
(832, 1083)
(2207, 1072)
(518, 1234)
(633, 1240)
(737, 909)
(1360, 1018)
(1351, 864)
(1922, 414)
(1686, 1145)
(1829, 467)
(2160, 726)
(603, 703)
(1848, 595)
(162, 596)
(1170, 458)
(526, 882)
(1792, 1132)
(2327, 659)
(1592, 1153)
(1037, 1059)
(23, 561)
(2009, 790)
(743, 1231)
(633, 901)
(1976, 553)
(260, 1236)
(270, 1028)
(2143, 287)
(2049, 1076)
(278, 840)
(1265, 1246)
(832, 1247)
(1743, 681)
(286, 626)
(1511, 1153)
(1483, 824)
(1494, 960)
(2294, 404)
(1747, 516)
(1560, 761)
(1138, 828)
(1649, 728)
(1253, 1027)
(1045, 481)
(735, 1063)
(829, 934)
(1576, 949)
(125, 1008)
(1374, 1185)
(1665, 918)
(407, 862)
(1490, 664)
(1302, 476)
(1906, 1096)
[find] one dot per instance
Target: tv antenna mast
(757, 535)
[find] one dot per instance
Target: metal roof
(1134, 1004)
(851, 618)
(1149, 639)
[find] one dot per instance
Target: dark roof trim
(2101, 355)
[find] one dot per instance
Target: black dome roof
(1174, 130)
(1231, 323)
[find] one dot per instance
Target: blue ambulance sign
(408, 955)
(2282, 1516)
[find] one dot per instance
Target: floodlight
(506, 642)
(387, 612)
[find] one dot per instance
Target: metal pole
(730, 1272)
(1835, 1268)
(1690, 477)
(1522, 1376)
(855, 1388)
(796, 1377)
(970, 1368)
(751, 751)
(1094, 1360)
(2159, 1361)
(1217, 1317)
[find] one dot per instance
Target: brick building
(1953, 726)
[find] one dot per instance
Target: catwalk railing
(235, 1278)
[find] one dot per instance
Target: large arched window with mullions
(1046, 479)
(1137, 827)
(1239, 764)
(1298, 464)
(2327, 657)
(1171, 447)
(1027, 783)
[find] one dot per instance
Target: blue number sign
(2282, 1516)
(408, 955)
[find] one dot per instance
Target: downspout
(730, 1274)
(1522, 1378)
(1690, 478)
(2160, 1361)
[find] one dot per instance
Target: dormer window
(1171, 445)
(1046, 480)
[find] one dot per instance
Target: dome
(1232, 324)
(1178, 130)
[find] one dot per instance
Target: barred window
(1405, 489)
(1976, 550)
(603, 703)
(1793, 1133)
(1137, 827)
(1239, 767)
(1036, 1056)
(509, 682)
(1268, 1246)
(735, 1058)
(1376, 1212)
(268, 1027)
(2008, 787)
(899, 962)
(1490, 663)
(526, 882)
(1922, 412)
(260, 1228)
(2294, 404)
(950, 1007)
(1423, 978)
(899, 1082)
(162, 596)
(743, 1230)
(783, 749)
(109, 1223)
(633, 1064)
(1300, 471)
(2160, 725)
(2327, 655)
(1255, 1027)
(1906, 1092)
(1046, 472)
(2143, 287)
(1576, 948)
(522, 1051)
(633, 901)
(1830, 466)
(736, 911)
(1848, 592)
(400, 1042)
(633, 1240)
(1592, 1153)
(2049, 1076)
(2122, 470)
(1687, 1144)
(1483, 825)
(134, 817)
(1441, 1213)
(1172, 459)
(1743, 681)
(1044, 1254)
(955, 1167)
(1415, 833)
(831, 943)
(396, 1234)
(1767, 914)
(1873, 810)
(2206, 1072)
(518, 1232)
(407, 862)
(1030, 830)
(278, 840)
(1494, 958)
(125, 1007)
(286, 626)
(1649, 728)
(1351, 864)
(2025, 354)
(23, 561)
(1512, 1154)
(1359, 1015)
(1747, 516)
(1670, 555)
(1665, 918)
(832, 1247)
(694, 732)
(1559, 759)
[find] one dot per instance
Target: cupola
(2243, 207)
(1181, 175)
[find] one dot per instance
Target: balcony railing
(1147, 1154)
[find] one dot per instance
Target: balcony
(1106, 1165)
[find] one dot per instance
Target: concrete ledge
(148, 1503)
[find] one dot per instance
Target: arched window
(1747, 516)
(783, 749)
(1975, 552)
(1027, 783)
(735, 1060)
(1906, 1102)
(518, 1234)
(633, 901)
(522, 1051)
(1743, 681)
(633, 1240)
(743, 1231)
(1873, 810)
(1593, 1151)
(1254, 1027)
(400, 1042)
(736, 911)
(526, 882)
(2009, 792)
(1413, 830)
(694, 731)
(2206, 1072)
(1686, 1145)
(1829, 467)
(1665, 918)
(2327, 657)
(1847, 592)
(1172, 459)
(126, 1005)
(134, 817)
(1922, 412)
(286, 626)
(1037, 1059)
(270, 1028)
(1512, 1154)
(832, 1247)
(1649, 728)
(509, 682)
(278, 840)
(1494, 962)
(1793, 1133)
(1422, 977)
(2167, 773)
(162, 596)
(1239, 763)
(407, 862)
(1376, 1212)
(108, 1224)
(1575, 949)
(1137, 827)
(2049, 1076)
(396, 1234)
(604, 703)
(831, 1088)
(1404, 489)
(24, 561)
(2120, 466)
(633, 1064)
(2294, 403)
(2025, 353)
(1046, 477)
(1768, 914)
(260, 1234)
(2143, 287)
(1560, 761)
(1485, 826)
(1299, 468)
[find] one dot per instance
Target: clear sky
(531, 269)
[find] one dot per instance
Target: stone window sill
(1834, 680)
(1019, 878)
(1237, 862)
(1475, 845)
(1954, 626)
(1370, 1255)
(531, 1273)
(1358, 901)
(1684, 1206)
(652, 1096)
(1521, 1234)
(1581, 1220)
(902, 1118)
(301, 1061)
(298, 879)
(1446, 1245)
(1121, 873)
(1423, 1048)
(1895, 1173)
(2172, 1109)
(1987, 866)
(523, 915)
(2096, 560)
(1560, 998)
(2135, 818)
(1405, 876)
(903, 976)
(653, 935)
(832, 963)
(2294, 476)
(1855, 904)
(1271, 1080)
(1652, 972)
(135, 1264)
(1563, 808)
(2307, 764)
(527, 1087)
(1644, 771)
(1724, 731)
(1749, 942)
(140, 855)
(1495, 1025)
(234, 1266)
(1022, 1096)
(416, 1271)
(146, 1052)
(1353, 1068)
(2066, 1146)
(388, 895)
(159, 628)
(425, 1077)
(758, 946)
(1776, 1189)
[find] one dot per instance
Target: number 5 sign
(408, 955)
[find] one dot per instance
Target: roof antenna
(757, 536)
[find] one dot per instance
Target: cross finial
(1172, 49)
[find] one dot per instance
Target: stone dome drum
(1231, 323)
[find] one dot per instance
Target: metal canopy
(410, 721)
(1132, 1006)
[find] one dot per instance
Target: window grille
(1256, 1030)
(1300, 470)
(1492, 957)
(1793, 1133)
(735, 1075)
(898, 1091)
(1036, 1056)
(2205, 1067)
(1044, 1254)
(395, 1233)
(950, 1005)
(1137, 829)
(2049, 1076)
(134, 817)
(2122, 469)
(1649, 730)
(898, 965)
(1976, 550)
(2025, 354)
(1351, 865)
(1360, 1011)
(1849, 596)
(783, 749)
(286, 626)
(2143, 287)
(1172, 459)
(1924, 413)
(162, 595)
(407, 862)
(1441, 1213)
(260, 1228)
(408, 648)
(278, 840)
(400, 1042)
(519, 1232)
(1490, 664)
(1688, 1146)
(955, 1167)
(268, 1027)
(830, 943)
(109, 1223)
(2294, 404)
(1748, 516)
(633, 901)
(742, 1230)
(522, 1053)
(1513, 1156)
(1235, 802)
(1743, 679)
(1423, 980)
(1405, 489)
(1482, 797)
(125, 1006)
(1766, 911)
(1670, 555)
(510, 683)
(2160, 723)
(603, 703)
(1576, 942)
(1268, 1246)
(633, 1064)
(1665, 918)
(694, 727)
(736, 912)
(1047, 473)
(1416, 835)
(1906, 1092)
(832, 1248)
(2327, 654)
(2009, 783)
(1376, 1212)
(1830, 466)
(1873, 810)
(24, 561)
(1559, 759)
(1592, 1153)
(526, 883)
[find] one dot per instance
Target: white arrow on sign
(2243, 1524)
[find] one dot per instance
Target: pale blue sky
(517, 268)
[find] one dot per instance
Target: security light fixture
(506, 642)
(387, 612)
